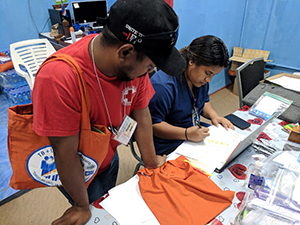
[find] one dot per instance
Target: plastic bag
(277, 201)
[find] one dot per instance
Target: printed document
(213, 151)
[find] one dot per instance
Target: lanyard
(111, 127)
(195, 110)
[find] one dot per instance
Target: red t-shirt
(57, 102)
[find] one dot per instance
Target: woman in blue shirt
(180, 100)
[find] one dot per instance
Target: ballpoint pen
(199, 125)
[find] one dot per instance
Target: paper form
(126, 205)
(288, 82)
(213, 151)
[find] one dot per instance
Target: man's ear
(126, 51)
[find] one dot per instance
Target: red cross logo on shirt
(128, 95)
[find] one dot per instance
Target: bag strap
(85, 95)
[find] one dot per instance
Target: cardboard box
(295, 135)
(267, 74)
(239, 57)
(281, 75)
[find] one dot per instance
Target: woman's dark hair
(207, 50)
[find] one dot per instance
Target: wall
(16, 23)
(274, 26)
(223, 19)
(269, 25)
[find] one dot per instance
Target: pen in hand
(199, 125)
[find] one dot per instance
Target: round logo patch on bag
(41, 166)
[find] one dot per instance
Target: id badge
(126, 130)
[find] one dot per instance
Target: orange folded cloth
(5, 66)
(177, 194)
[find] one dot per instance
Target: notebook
(247, 141)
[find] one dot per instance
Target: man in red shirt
(139, 35)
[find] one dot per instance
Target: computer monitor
(89, 10)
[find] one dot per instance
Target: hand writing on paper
(74, 215)
(196, 134)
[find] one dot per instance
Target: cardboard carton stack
(239, 57)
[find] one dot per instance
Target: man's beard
(123, 73)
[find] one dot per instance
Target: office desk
(57, 44)
(232, 178)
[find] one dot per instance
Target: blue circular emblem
(41, 166)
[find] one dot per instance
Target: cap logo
(133, 34)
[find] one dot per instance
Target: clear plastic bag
(277, 201)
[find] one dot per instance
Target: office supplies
(237, 121)
(199, 125)
(288, 127)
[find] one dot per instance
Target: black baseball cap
(151, 26)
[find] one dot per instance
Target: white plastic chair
(31, 54)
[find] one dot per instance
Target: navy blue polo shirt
(173, 103)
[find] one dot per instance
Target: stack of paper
(213, 151)
(126, 205)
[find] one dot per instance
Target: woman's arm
(167, 131)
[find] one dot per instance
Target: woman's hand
(221, 120)
(196, 133)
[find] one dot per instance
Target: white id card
(126, 130)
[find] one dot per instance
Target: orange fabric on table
(177, 194)
(6, 66)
